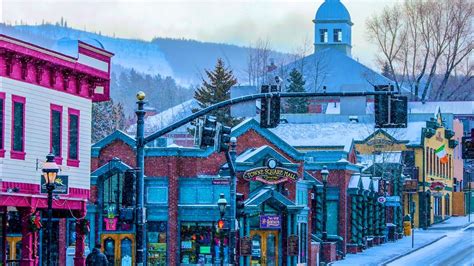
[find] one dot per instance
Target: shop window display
(156, 237)
(200, 244)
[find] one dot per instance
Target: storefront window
(156, 237)
(200, 244)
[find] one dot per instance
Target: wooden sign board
(292, 245)
(245, 246)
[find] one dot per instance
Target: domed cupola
(332, 26)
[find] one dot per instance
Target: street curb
(411, 251)
(451, 227)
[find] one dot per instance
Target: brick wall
(175, 167)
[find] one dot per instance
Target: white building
(45, 106)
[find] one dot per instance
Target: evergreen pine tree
(106, 118)
(217, 89)
(386, 72)
(296, 84)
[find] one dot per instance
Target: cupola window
(323, 35)
(337, 35)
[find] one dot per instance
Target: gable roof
(384, 133)
(252, 124)
(116, 135)
(269, 194)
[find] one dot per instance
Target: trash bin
(407, 225)
(391, 231)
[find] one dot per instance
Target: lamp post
(140, 198)
(222, 204)
(324, 175)
(50, 172)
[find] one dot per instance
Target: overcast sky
(286, 24)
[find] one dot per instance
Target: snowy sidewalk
(453, 223)
(379, 254)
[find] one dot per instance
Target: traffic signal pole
(141, 141)
(252, 97)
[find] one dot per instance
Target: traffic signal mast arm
(252, 97)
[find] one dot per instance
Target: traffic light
(224, 138)
(207, 132)
(220, 224)
(380, 106)
(398, 111)
(390, 110)
(270, 108)
(274, 108)
(239, 205)
(128, 189)
(264, 107)
(468, 146)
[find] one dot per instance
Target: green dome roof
(332, 10)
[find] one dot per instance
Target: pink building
(458, 162)
(45, 106)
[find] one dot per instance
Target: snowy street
(452, 236)
(455, 249)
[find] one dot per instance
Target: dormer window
(323, 35)
(337, 35)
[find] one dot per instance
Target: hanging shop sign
(61, 185)
(221, 181)
(245, 246)
(292, 246)
(381, 199)
(437, 186)
(410, 185)
(271, 174)
(270, 221)
(393, 198)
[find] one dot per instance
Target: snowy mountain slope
(184, 60)
(143, 56)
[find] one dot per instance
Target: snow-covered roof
(340, 134)
(322, 134)
(455, 107)
(249, 153)
(167, 117)
(354, 181)
(337, 71)
(365, 182)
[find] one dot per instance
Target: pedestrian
(96, 257)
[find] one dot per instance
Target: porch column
(27, 238)
(247, 226)
(288, 233)
(79, 258)
(241, 235)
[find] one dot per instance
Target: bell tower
(333, 27)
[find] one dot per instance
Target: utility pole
(140, 210)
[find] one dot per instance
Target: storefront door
(119, 249)
(14, 248)
(264, 247)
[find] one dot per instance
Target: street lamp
(324, 175)
(50, 172)
(222, 204)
